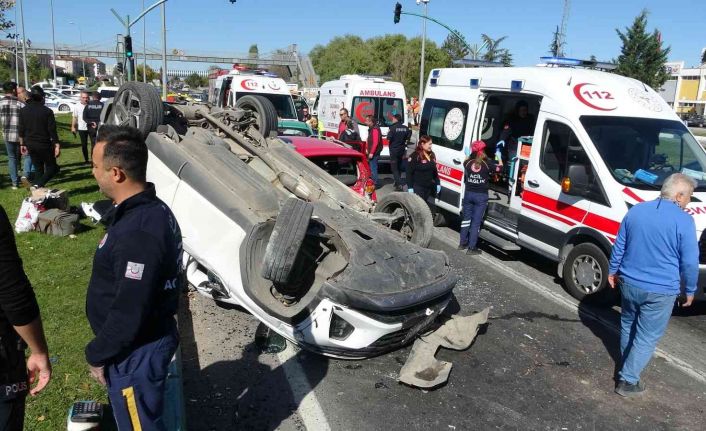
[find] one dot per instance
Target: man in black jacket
(398, 136)
(92, 116)
(134, 289)
(20, 323)
(37, 132)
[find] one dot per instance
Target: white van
(226, 86)
(600, 144)
(362, 96)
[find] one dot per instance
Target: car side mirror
(577, 181)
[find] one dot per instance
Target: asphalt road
(542, 362)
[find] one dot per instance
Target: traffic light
(398, 12)
(128, 46)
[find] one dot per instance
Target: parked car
(695, 121)
(58, 102)
(293, 128)
(272, 232)
(342, 162)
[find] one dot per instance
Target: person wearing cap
(476, 176)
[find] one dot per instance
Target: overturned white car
(266, 229)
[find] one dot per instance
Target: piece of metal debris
(422, 369)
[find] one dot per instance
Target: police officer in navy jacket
(133, 293)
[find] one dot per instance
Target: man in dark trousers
(37, 132)
(654, 257)
(20, 323)
(135, 284)
(92, 116)
(398, 136)
(374, 147)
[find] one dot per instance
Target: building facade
(685, 90)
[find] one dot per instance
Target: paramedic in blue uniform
(133, 293)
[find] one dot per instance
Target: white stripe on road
(445, 236)
(303, 394)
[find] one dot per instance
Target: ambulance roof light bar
(574, 62)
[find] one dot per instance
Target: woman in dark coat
(422, 176)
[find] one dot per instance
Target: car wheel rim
(405, 225)
(127, 110)
(63, 108)
(587, 273)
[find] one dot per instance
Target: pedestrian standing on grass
(10, 117)
(78, 124)
(398, 136)
(38, 136)
(92, 117)
(654, 254)
(134, 289)
(422, 175)
(374, 147)
(476, 177)
(20, 327)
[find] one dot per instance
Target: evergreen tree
(642, 56)
(703, 56)
(454, 47)
(555, 48)
(506, 58)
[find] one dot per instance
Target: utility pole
(53, 44)
(562, 32)
(17, 54)
(144, 47)
(164, 53)
(424, 38)
(24, 45)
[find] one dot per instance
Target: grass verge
(59, 269)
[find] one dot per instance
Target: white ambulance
(226, 86)
(362, 96)
(599, 143)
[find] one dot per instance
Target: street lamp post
(24, 46)
(53, 44)
(144, 47)
(17, 49)
(424, 38)
(80, 38)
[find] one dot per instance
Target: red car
(344, 163)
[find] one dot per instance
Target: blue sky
(216, 26)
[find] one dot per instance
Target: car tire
(138, 105)
(418, 224)
(585, 274)
(63, 108)
(264, 111)
(286, 240)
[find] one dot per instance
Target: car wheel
(263, 111)
(585, 274)
(138, 105)
(286, 240)
(64, 108)
(415, 223)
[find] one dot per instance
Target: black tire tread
(604, 295)
(265, 110)
(286, 240)
(150, 104)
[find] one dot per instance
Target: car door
(447, 122)
(547, 214)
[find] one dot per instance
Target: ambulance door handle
(456, 161)
(532, 183)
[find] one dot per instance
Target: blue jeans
(136, 385)
(643, 320)
(474, 205)
(374, 169)
(13, 158)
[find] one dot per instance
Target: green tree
(4, 6)
(506, 58)
(493, 52)
(35, 70)
(556, 47)
(195, 80)
(253, 54)
(642, 56)
(703, 56)
(454, 47)
(151, 73)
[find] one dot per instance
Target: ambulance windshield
(643, 152)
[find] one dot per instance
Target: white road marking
(448, 238)
(309, 408)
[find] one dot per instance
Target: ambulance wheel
(585, 274)
(137, 105)
(263, 111)
(286, 240)
(415, 222)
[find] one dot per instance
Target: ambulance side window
(445, 130)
